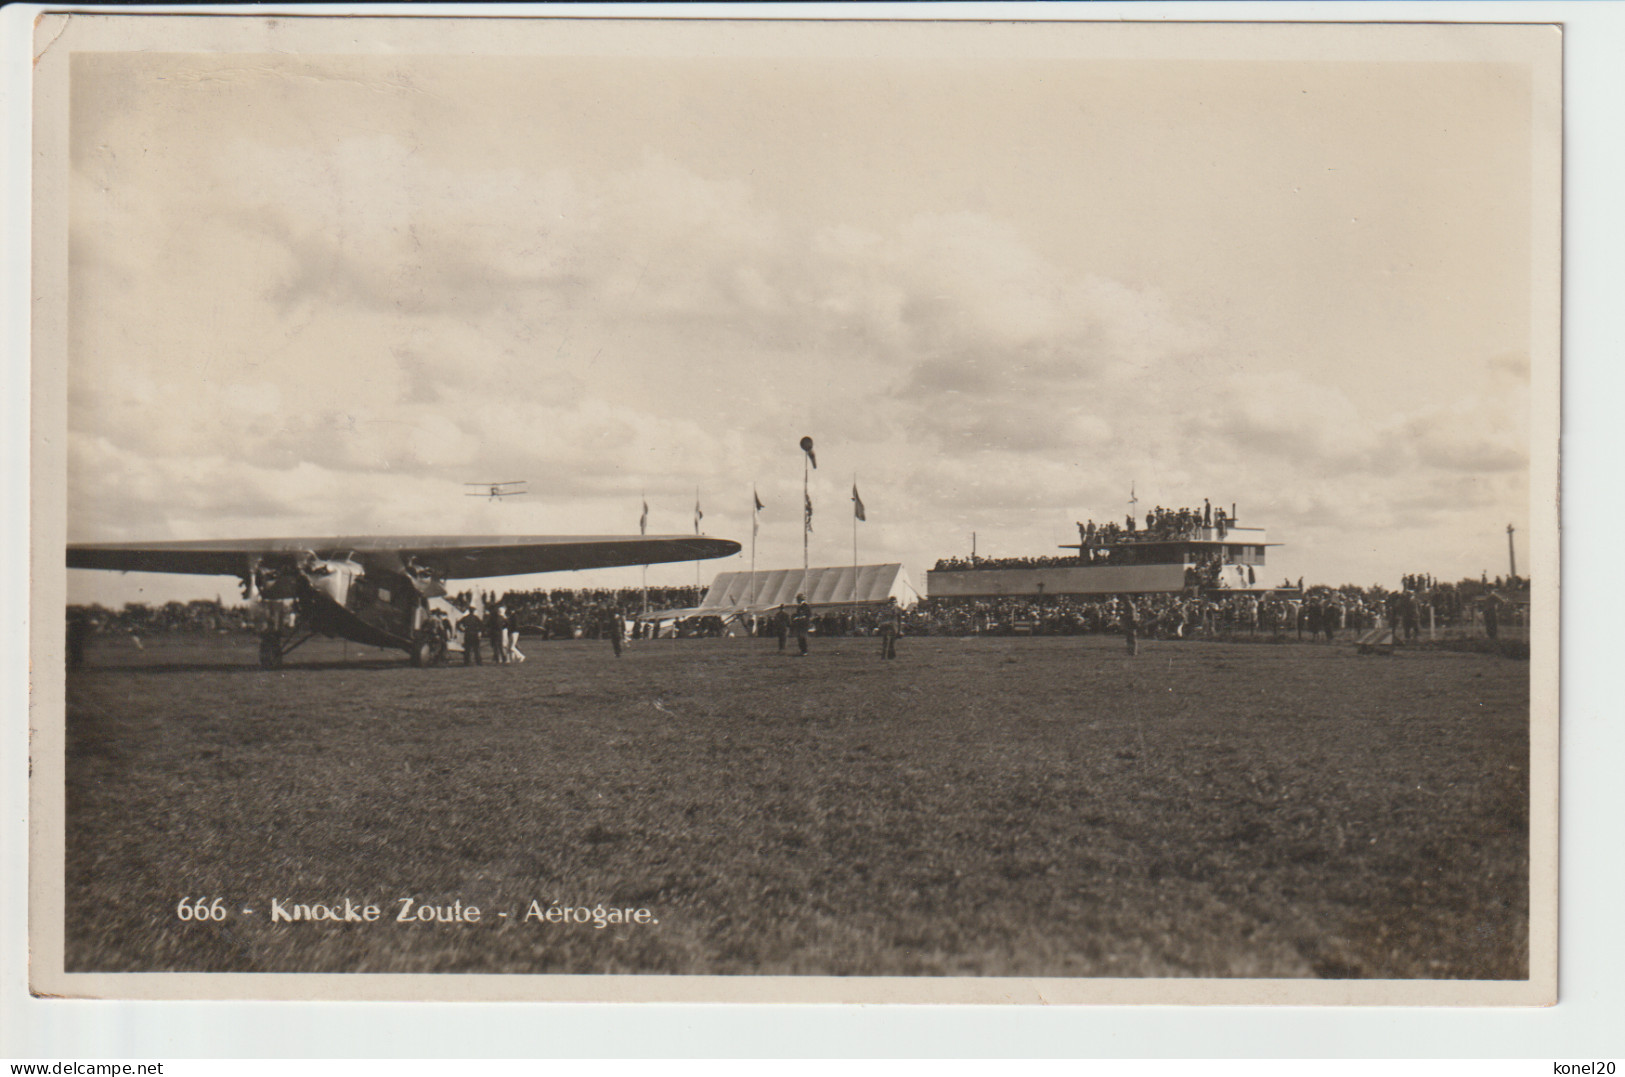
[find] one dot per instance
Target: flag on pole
(807, 447)
(808, 512)
(755, 516)
(698, 515)
(857, 504)
(643, 521)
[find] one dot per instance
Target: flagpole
(808, 462)
(854, 552)
(753, 526)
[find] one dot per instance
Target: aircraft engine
(332, 578)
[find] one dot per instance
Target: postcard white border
(1501, 12)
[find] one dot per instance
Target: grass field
(1034, 807)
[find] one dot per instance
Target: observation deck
(1114, 560)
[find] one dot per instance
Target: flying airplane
(497, 490)
(382, 591)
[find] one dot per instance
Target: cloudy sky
(318, 294)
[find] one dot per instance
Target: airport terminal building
(1212, 559)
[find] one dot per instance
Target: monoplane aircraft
(382, 591)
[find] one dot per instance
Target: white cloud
(336, 333)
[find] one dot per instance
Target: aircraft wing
(452, 557)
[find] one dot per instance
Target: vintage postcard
(804, 510)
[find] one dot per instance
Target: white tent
(844, 585)
(732, 594)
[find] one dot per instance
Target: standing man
(1131, 626)
(439, 635)
(497, 627)
(890, 628)
(801, 621)
(471, 628)
(1413, 616)
(615, 625)
(781, 627)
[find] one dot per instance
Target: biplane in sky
(496, 491)
(382, 591)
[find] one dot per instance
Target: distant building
(1212, 559)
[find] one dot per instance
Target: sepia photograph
(814, 510)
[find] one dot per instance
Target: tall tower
(1512, 554)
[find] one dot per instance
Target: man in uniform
(471, 628)
(801, 621)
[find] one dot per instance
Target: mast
(854, 595)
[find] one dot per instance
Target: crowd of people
(1161, 525)
(572, 613)
(139, 619)
(966, 564)
(1481, 606)
(1319, 613)
(1160, 616)
(1482, 603)
(1112, 543)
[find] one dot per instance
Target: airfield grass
(1032, 807)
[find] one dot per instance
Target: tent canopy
(845, 585)
(828, 588)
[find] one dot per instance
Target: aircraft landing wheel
(423, 653)
(270, 651)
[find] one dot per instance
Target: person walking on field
(616, 627)
(511, 639)
(801, 621)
